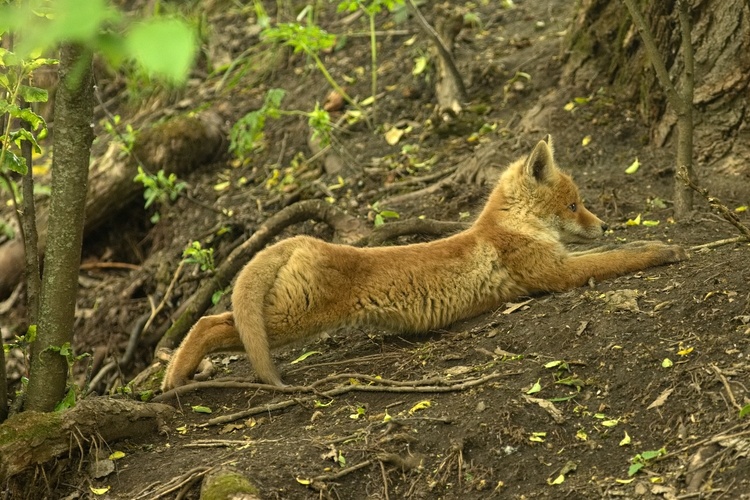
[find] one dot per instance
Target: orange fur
(303, 286)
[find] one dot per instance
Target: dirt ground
(562, 392)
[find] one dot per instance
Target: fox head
(536, 188)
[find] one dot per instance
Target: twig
(724, 381)
(445, 54)
(337, 391)
(164, 300)
(88, 266)
(385, 480)
(715, 204)
(343, 472)
(710, 440)
(719, 243)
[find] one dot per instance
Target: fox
(302, 286)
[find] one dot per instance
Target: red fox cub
(303, 286)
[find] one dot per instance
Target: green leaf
(175, 43)
(304, 357)
(24, 135)
(15, 163)
(745, 411)
(201, 409)
(69, 401)
(634, 468)
(32, 94)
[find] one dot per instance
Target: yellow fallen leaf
(303, 481)
(651, 223)
(586, 140)
(633, 168)
(581, 435)
(685, 351)
(743, 208)
(558, 480)
(569, 106)
(116, 455)
(624, 481)
(422, 405)
(221, 186)
(626, 440)
(99, 491)
(393, 135)
(634, 222)
(667, 363)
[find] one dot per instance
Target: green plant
(381, 215)
(196, 254)
(159, 188)
(127, 138)
(641, 460)
(71, 395)
(247, 134)
(310, 39)
(371, 9)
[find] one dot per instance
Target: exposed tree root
(482, 168)
(435, 385)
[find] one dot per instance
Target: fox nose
(605, 226)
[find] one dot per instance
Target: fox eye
(573, 207)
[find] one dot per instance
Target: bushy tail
(248, 302)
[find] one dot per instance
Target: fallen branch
(31, 438)
(718, 243)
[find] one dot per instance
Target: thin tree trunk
(70, 167)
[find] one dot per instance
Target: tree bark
(177, 146)
(32, 438)
(604, 44)
(74, 112)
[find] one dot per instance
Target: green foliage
(247, 133)
(16, 71)
(159, 188)
(71, 396)
(381, 215)
(101, 27)
(310, 39)
(127, 138)
(195, 254)
(320, 122)
(641, 460)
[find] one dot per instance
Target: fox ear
(540, 165)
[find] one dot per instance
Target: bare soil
(586, 380)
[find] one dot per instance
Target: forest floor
(568, 390)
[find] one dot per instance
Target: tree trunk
(603, 42)
(177, 146)
(74, 112)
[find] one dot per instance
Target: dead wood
(177, 146)
(33, 438)
(449, 86)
